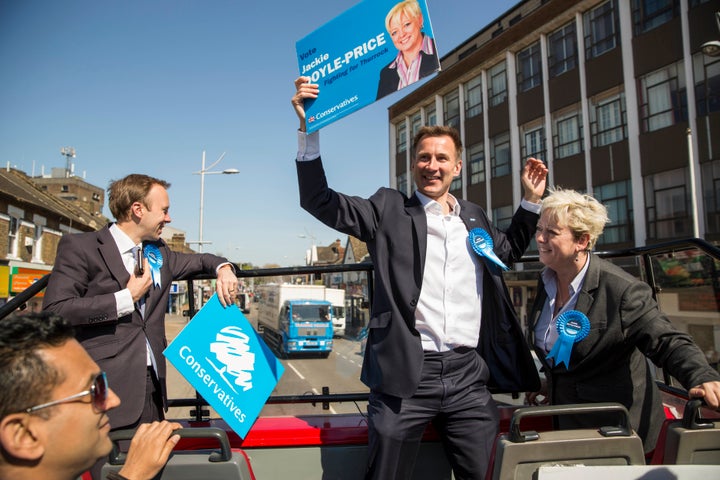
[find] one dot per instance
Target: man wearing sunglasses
(54, 402)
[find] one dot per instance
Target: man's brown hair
(439, 131)
(126, 191)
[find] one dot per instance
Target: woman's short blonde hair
(579, 212)
(411, 8)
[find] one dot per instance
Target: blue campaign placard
(220, 354)
(369, 51)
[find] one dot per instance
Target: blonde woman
(593, 324)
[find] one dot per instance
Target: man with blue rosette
(593, 325)
(117, 304)
(443, 331)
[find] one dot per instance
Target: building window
(534, 144)
(667, 201)
(609, 122)
(502, 216)
(456, 184)
(402, 182)
(500, 155)
(473, 97)
(39, 223)
(711, 195)
(648, 14)
(497, 93)
(451, 103)
(601, 29)
(401, 138)
(663, 98)
(430, 115)
(707, 88)
(14, 227)
(64, 189)
(96, 197)
(416, 124)
(16, 215)
(529, 67)
(476, 156)
(568, 136)
(563, 50)
(617, 197)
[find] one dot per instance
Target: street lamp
(310, 255)
(207, 171)
(712, 48)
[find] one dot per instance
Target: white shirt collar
(434, 206)
(122, 240)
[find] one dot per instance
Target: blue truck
(295, 318)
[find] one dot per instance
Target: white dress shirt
(448, 312)
(123, 298)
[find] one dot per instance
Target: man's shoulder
(84, 237)
(469, 206)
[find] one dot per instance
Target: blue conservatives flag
(219, 353)
(371, 50)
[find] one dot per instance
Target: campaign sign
(371, 50)
(219, 353)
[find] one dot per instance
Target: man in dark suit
(118, 310)
(443, 328)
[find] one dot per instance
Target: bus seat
(519, 455)
(692, 440)
(227, 464)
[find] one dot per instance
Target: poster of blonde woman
(369, 51)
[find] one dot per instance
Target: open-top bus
(314, 425)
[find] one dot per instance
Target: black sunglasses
(98, 393)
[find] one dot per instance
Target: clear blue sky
(146, 85)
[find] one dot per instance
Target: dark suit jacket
(395, 230)
(389, 78)
(88, 271)
(609, 365)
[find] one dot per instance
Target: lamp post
(311, 255)
(207, 171)
(712, 48)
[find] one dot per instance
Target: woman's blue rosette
(482, 243)
(572, 327)
(155, 259)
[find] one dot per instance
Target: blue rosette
(482, 243)
(572, 327)
(155, 260)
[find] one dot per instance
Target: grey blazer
(88, 271)
(394, 228)
(610, 365)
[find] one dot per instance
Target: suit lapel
(590, 284)
(110, 254)
(419, 221)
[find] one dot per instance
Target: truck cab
(307, 326)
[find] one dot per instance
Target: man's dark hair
(439, 131)
(128, 190)
(25, 378)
